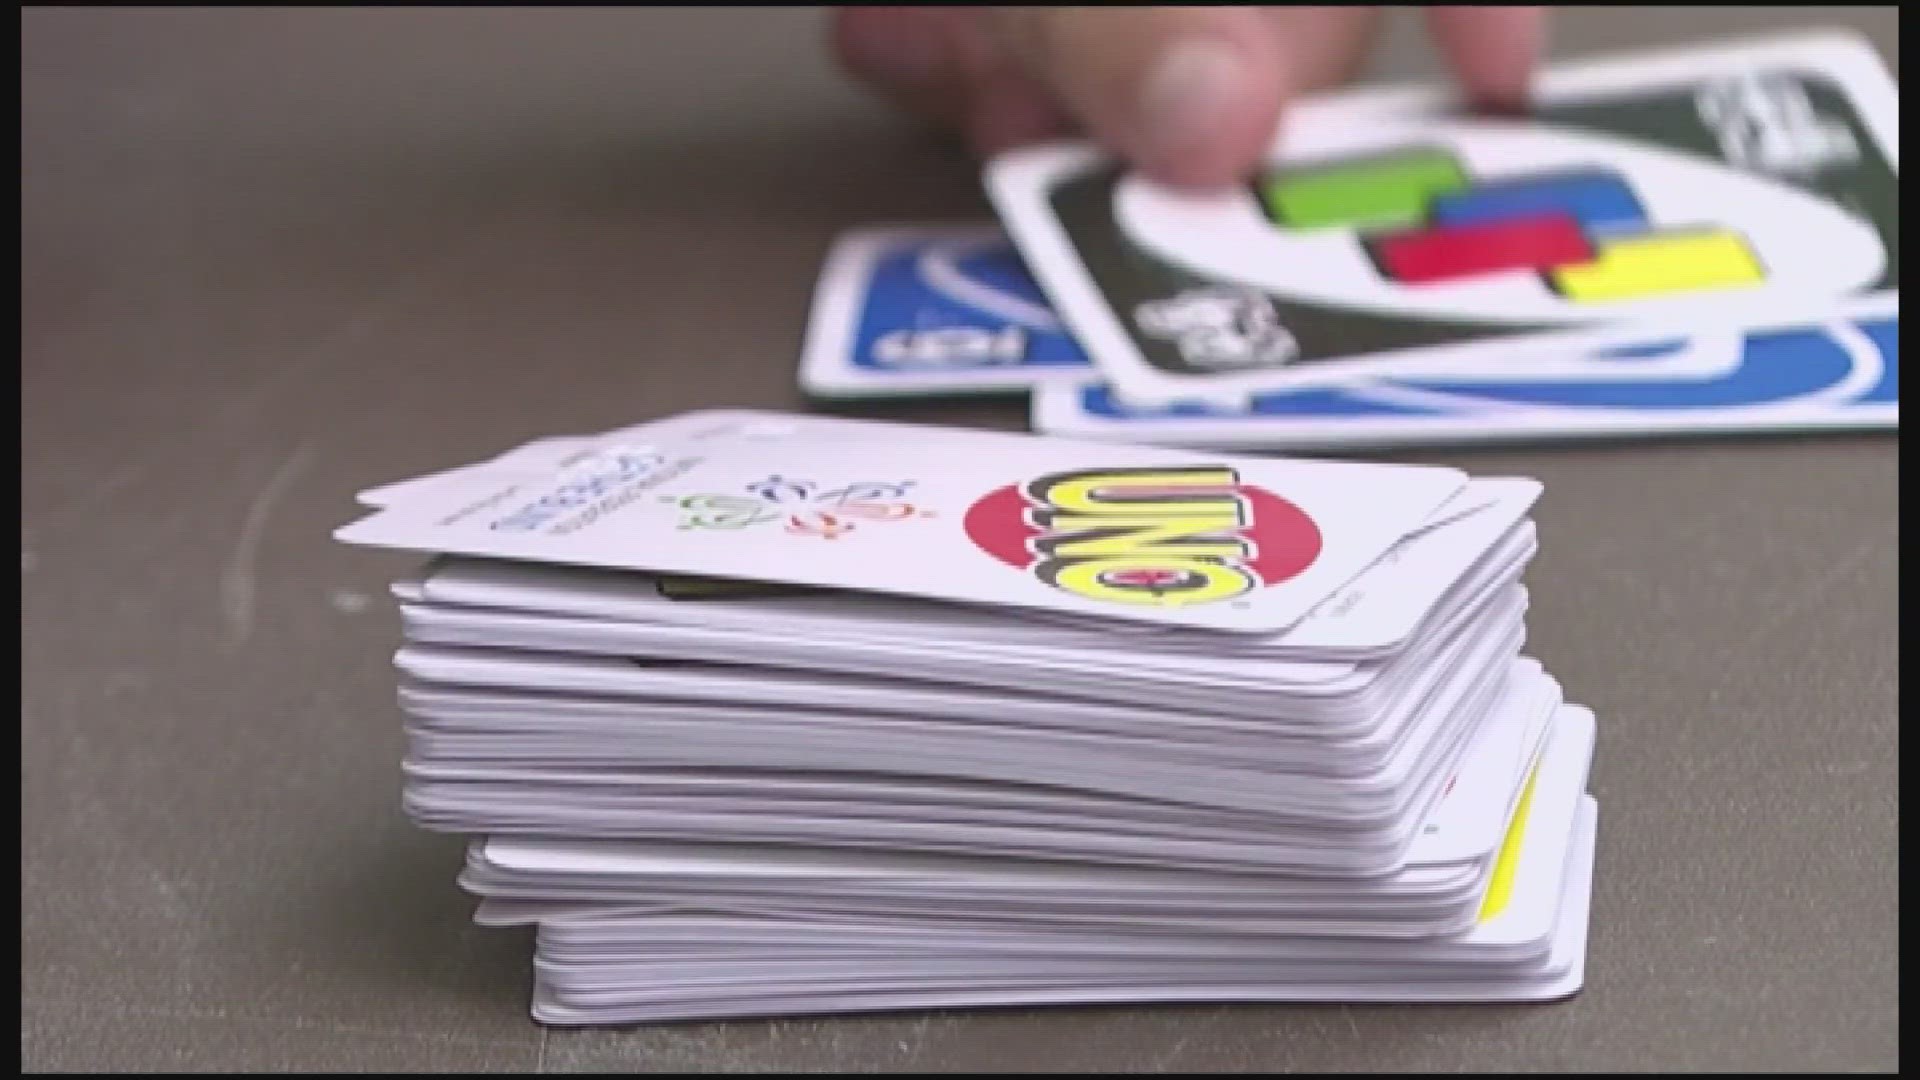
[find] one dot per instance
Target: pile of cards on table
(759, 714)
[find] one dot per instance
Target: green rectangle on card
(1387, 191)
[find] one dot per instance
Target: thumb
(1188, 95)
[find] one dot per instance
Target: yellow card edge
(1507, 863)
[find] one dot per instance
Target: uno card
(543, 457)
(931, 310)
(1523, 894)
(1483, 967)
(1670, 196)
(1133, 533)
(1412, 590)
(928, 311)
(1838, 375)
(1480, 802)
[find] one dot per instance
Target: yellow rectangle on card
(1507, 862)
(1635, 267)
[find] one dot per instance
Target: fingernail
(1191, 92)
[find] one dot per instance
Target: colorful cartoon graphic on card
(542, 457)
(1135, 533)
(931, 310)
(1672, 195)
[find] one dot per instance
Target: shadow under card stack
(756, 714)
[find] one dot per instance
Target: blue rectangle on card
(1601, 201)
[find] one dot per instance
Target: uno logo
(1159, 537)
(1423, 220)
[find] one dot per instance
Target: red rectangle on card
(1529, 243)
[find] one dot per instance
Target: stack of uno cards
(1692, 242)
(760, 714)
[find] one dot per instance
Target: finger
(1004, 105)
(910, 55)
(1007, 108)
(1492, 50)
(1189, 95)
(1325, 46)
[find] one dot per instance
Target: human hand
(1189, 95)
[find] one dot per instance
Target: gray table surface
(270, 257)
